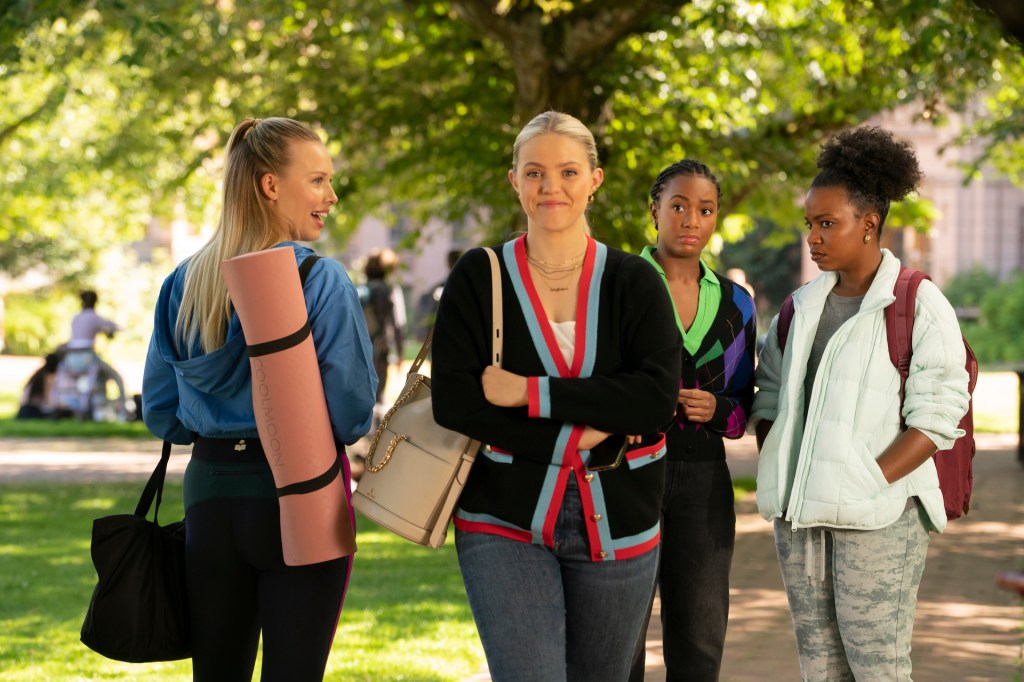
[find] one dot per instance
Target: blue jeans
(551, 614)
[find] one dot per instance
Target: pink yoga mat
(291, 412)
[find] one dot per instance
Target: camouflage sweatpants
(852, 594)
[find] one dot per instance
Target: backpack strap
(785, 322)
(899, 325)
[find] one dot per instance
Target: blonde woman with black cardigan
(558, 559)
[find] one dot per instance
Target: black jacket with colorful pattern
(723, 365)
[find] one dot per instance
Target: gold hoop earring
(867, 238)
(590, 199)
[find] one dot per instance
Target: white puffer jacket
(826, 475)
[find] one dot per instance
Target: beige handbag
(416, 469)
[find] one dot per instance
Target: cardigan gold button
(602, 554)
(487, 448)
(588, 478)
(654, 455)
(595, 517)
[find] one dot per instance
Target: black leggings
(238, 585)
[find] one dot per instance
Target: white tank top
(565, 335)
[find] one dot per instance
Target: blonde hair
(555, 122)
(247, 223)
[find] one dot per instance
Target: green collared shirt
(707, 302)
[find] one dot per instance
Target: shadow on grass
(405, 615)
(406, 607)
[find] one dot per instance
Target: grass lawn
(70, 428)
(405, 616)
(996, 403)
(8, 403)
(52, 428)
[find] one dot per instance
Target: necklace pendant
(559, 288)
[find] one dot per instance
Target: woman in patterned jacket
(716, 319)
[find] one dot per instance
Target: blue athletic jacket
(211, 394)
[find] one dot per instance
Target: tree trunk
(555, 56)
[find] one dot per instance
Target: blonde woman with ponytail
(197, 390)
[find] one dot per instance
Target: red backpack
(953, 465)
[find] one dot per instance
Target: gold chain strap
(380, 430)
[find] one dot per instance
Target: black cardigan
(624, 379)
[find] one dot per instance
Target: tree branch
(481, 15)
(52, 100)
(554, 56)
(591, 35)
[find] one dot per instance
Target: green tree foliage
(39, 321)
(771, 262)
(968, 289)
(114, 112)
(996, 337)
(1002, 123)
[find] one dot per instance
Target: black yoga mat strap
(278, 345)
(306, 266)
(313, 484)
(296, 337)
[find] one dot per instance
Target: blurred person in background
(426, 306)
(384, 309)
(80, 356)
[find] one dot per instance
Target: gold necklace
(560, 276)
(556, 272)
(570, 263)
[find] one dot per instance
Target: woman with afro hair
(852, 495)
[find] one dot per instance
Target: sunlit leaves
(420, 105)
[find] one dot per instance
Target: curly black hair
(684, 167)
(873, 166)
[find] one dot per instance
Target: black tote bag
(139, 609)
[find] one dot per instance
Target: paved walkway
(967, 629)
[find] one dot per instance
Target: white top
(86, 325)
(565, 335)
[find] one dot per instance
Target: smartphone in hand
(608, 454)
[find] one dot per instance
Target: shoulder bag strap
(424, 350)
(497, 333)
(155, 486)
(469, 456)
